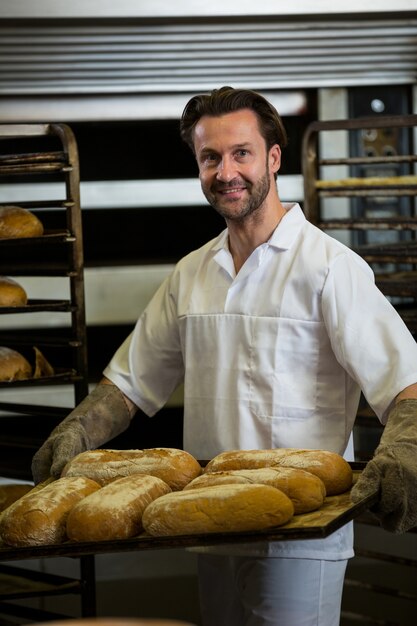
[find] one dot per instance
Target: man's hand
(102, 415)
(65, 442)
(392, 473)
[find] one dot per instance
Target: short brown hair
(227, 100)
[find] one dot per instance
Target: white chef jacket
(274, 356)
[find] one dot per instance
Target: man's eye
(209, 158)
(242, 153)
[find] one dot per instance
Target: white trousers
(252, 591)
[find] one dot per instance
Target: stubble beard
(257, 194)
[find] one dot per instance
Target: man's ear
(274, 158)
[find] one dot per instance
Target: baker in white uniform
(274, 328)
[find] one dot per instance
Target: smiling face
(236, 169)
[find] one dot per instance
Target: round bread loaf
(175, 467)
(11, 293)
(11, 492)
(115, 512)
(305, 490)
(16, 223)
(330, 467)
(39, 518)
(13, 365)
(220, 508)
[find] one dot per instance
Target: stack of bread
(116, 494)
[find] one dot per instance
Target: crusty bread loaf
(11, 293)
(40, 517)
(13, 365)
(11, 492)
(115, 512)
(330, 467)
(175, 467)
(32, 489)
(220, 508)
(17, 222)
(305, 490)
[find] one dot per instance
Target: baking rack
(382, 177)
(384, 236)
(57, 253)
(46, 154)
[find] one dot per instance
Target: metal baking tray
(335, 513)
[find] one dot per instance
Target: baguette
(220, 508)
(306, 491)
(115, 511)
(39, 517)
(330, 467)
(175, 467)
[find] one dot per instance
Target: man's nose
(226, 170)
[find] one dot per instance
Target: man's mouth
(230, 190)
(234, 190)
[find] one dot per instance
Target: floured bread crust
(330, 467)
(115, 512)
(220, 508)
(39, 517)
(175, 467)
(305, 490)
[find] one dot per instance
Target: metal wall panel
(151, 56)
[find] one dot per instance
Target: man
(274, 327)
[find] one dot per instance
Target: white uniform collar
(284, 234)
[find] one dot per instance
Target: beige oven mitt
(102, 415)
(392, 472)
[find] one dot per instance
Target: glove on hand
(102, 415)
(393, 471)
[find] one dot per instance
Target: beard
(239, 209)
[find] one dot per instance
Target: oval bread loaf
(305, 490)
(40, 518)
(220, 508)
(17, 222)
(11, 293)
(115, 512)
(13, 365)
(175, 467)
(330, 467)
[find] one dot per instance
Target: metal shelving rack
(386, 239)
(57, 253)
(18, 256)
